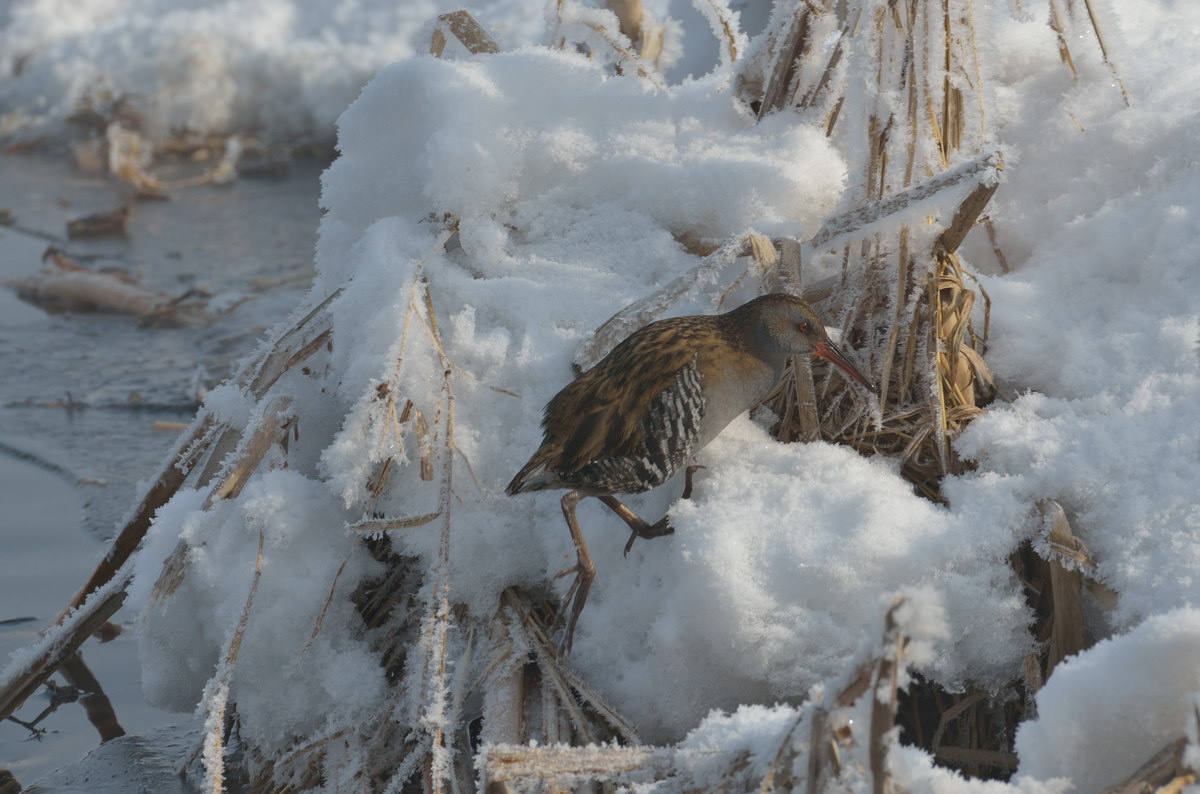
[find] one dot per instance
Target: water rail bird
(631, 421)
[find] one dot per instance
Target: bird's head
(787, 326)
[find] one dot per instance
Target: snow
(571, 187)
(288, 67)
(1137, 715)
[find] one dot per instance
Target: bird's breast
(731, 389)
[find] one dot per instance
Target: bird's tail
(533, 476)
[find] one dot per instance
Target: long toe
(576, 597)
(565, 571)
(629, 543)
(655, 530)
(687, 480)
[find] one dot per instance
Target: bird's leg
(638, 526)
(583, 569)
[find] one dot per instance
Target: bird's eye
(803, 328)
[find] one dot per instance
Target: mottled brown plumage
(631, 421)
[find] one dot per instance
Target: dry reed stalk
(824, 732)
(320, 621)
(1057, 569)
(1164, 772)
(216, 701)
(970, 731)
(1112, 67)
(438, 620)
(1056, 24)
(724, 27)
(530, 694)
(775, 81)
(623, 52)
(564, 768)
(906, 299)
(463, 27)
(1068, 634)
(1058, 21)
(410, 607)
(911, 306)
(647, 34)
(129, 154)
(392, 419)
(883, 710)
(413, 621)
(973, 731)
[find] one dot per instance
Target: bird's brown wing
(606, 412)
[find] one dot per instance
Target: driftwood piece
(64, 285)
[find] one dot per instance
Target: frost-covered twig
(436, 689)
(601, 29)
(982, 173)
(216, 699)
(725, 27)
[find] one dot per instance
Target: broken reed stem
(250, 454)
(187, 448)
(1065, 585)
(53, 649)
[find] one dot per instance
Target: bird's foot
(660, 527)
(655, 530)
